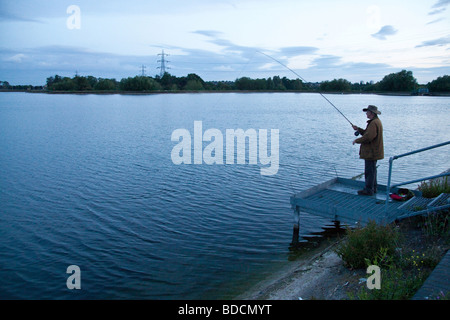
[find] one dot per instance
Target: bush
(401, 277)
(366, 243)
(395, 285)
(441, 84)
(436, 224)
(433, 188)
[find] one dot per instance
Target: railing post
(391, 160)
(296, 232)
(388, 187)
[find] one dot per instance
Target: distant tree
(269, 84)
(193, 82)
(260, 84)
(220, 85)
(52, 80)
(4, 85)
(106, 84)
(357, 86)
(441, 84)
(153, 84)
(401, 81)
(371, 87)
(92, 81)
(277, 83)
(180, 82)
(244, 83)
(193, 76)
(340, 85)
(139, 83)
(125, 84)
(82, 83)
(65, 84)
(193, 85)
(167, 81)
(292, 84)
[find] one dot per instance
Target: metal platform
(338, 200)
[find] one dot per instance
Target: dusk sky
(221, 40)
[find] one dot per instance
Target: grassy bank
(406, 252)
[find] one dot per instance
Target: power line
(143, 70)
(163, 62)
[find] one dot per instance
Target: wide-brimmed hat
(372, 109)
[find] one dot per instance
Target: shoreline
(322, 274)
(113, 92)
(319, 275)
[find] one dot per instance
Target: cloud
(435, 42)
(436, 20)
(238, 54)
(439, 7)
(441, 4)
(436, 11)
(19, 57)
(208, 33)
(327, 61)
(227, 61)
(66, 60)
(297, 51)
(227, 46)
(384, 32)
(6, 16)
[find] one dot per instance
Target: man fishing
(371, 148)
(371, 141)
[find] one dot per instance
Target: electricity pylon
(163, 61)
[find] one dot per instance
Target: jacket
(371, 141)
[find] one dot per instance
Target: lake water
(88, 180)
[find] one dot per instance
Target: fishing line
(356, 132)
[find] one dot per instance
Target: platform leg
(296, 232)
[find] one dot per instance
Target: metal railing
(391, 160)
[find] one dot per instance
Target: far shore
(106, 92)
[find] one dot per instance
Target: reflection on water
(299, 244)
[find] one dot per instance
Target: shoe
(365, 193)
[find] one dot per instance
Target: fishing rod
(356, 132)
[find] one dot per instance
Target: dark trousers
(370, 174)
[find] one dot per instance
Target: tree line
(402, 81)
(4, 85)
